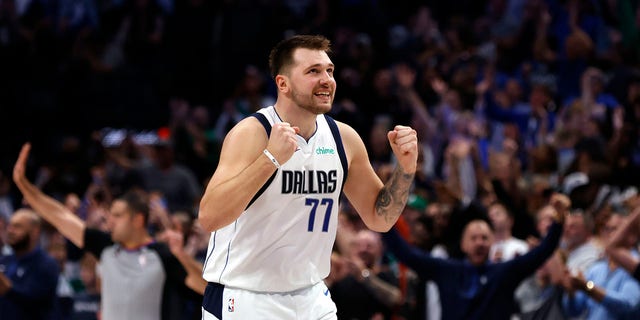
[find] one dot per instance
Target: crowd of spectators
(513, 100)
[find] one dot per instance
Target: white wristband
(272, 158)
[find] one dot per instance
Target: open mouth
(323, 95)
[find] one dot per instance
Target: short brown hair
(138, 202)
(281, 55)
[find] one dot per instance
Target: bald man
(476, 288)
(29, 276)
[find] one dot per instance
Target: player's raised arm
(51, 210)
(380, 204)
(243, 169)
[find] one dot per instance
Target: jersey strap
(341, 153)
(265, 123)
(267, 127)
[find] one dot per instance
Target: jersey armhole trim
(267, 127)
(341, 153)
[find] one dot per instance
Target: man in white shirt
(505, 246)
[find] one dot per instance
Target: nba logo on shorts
(231, 305)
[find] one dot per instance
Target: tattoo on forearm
(384, 198)
(393, 196)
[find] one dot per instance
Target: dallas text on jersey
(309, 181)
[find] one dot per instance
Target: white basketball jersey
(283, 240)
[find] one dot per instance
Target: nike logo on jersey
(326, 292)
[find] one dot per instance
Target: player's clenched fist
(404, 143)
(282, 141)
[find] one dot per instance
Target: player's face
(476, 242)
(120, 222)
(312, 84)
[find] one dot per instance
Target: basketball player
(272, 203)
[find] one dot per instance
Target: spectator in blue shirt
(29, 276)
(606, 291)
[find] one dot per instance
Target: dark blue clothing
(34, 277)
(521, 115)
(474, 292)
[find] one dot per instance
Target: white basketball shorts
(225, 303)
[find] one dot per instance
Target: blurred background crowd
(512, 100)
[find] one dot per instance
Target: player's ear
(282, 82)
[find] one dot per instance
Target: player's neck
(297, 117)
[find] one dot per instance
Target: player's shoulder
(249, 122)
(247, 128)
(345, 128)
(348, 133)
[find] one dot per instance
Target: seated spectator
(542, 291)
(540, 295)
(29, 276)
(369, 288)
(605, 291)
(86, 303)
(578, 242)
